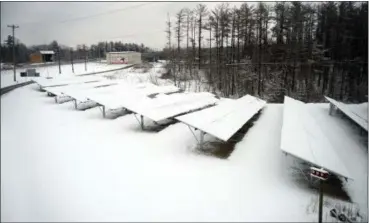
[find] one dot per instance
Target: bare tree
(169, 43)
(188, 14)
(179, 29)
(310, 52)
(202, 12)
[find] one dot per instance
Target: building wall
(35, 58)
(130, 57)
(40, 58)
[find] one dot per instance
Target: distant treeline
(92, 52)
(305, 50)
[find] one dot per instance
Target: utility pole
(13, 28)
(71, 59)
(59, 59)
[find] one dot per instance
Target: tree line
(304, 50)
(82, 51)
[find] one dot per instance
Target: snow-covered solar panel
(224, 120)
(303, 138)
(42, 81)
(63, 90)
(67, 81)
(356, 112)
(84, 94)
(123, 97)
(164, 107)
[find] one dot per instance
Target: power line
(91, 16)
(134, 34)
(104, 13)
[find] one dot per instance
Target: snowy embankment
(197, 83)
(138, 75)
(59, 164)
(7, 76)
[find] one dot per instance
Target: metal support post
(201, 139)
(142, 122)
(56, 99)
(320, 201)
(75, 104)
(103, 111)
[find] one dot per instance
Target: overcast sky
(72, 23)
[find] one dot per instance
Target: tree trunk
(200, 28)
(342, 82)
(210, 75)
(259, 70)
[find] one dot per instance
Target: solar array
(224, 120)
(301, 135)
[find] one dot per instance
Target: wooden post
(330, 108)
(142, 122)
(104, 111)
(71, 59)
(75, 104)
(322, 175)
(56, 99)
(320, 201)
(59, 59)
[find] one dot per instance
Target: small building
(42, 56)
(124, 57)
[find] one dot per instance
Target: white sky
(137, 22)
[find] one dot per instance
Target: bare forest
(303, 50)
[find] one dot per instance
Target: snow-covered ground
(138, 75)
(7, 77)
(59, 164)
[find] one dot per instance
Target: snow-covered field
(7, 77)
(59, 164)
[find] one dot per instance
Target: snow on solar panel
(67, 81)
(70, 89)
(44, 81)
(224, 120)
(61, 90)
(302, 137)
(164, 107)
(130, 94)
(82, 94)
(357, 112)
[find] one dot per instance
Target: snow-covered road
(7, 76)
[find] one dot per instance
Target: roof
(46, 52)
(224, 120)
(123, 52)
(302, 137)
